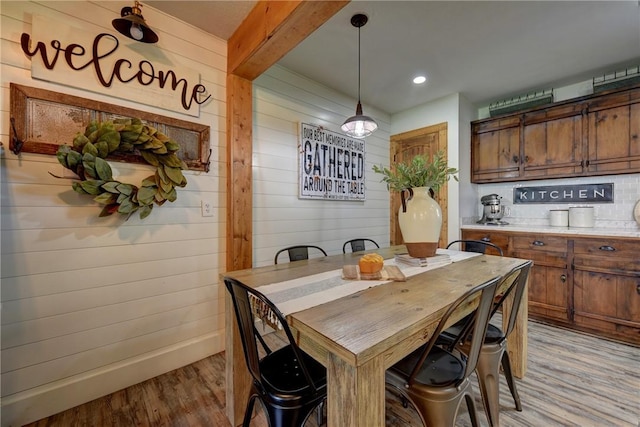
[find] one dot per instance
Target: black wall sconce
(132, 24)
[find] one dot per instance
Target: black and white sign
(594, 193)
(331, 165)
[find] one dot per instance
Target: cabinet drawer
(604, 255)
(542, 243)
(607, 248)
(499, 239)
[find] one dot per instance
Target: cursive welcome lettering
(123, 70)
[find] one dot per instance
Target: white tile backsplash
(619, 214)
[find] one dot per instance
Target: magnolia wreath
(86, 158)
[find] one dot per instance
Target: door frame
(441, 197)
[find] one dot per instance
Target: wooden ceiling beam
(271, 30)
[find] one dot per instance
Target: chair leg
(471, 407)
(506, 368)
(488, 371)
(320, 414)
(249, 411)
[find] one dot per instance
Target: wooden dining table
(358, 336)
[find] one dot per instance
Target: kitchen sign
(581, 193)
(331, 165)
(103, 64)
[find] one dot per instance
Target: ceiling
(486, 51)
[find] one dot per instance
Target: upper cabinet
(594, 135)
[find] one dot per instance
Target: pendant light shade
(132, 24)
(359, 126)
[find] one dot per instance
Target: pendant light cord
(359, 63)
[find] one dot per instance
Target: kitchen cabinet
(614, 134)
(588, 136)
(495, 152)
(607, 286)
(553, 142)
(590, 284)
(548, 286)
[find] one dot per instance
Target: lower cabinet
(548, 285)
(586, 283)
(606, 291)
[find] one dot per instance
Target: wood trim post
(271, 29)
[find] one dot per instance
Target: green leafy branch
(86, 159)
(419, 172)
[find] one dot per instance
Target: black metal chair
(289, 383)
(434, 379)
(478, 246)
(357, 245)
(493, 353)
(298, 252)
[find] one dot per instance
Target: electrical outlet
(207, 208)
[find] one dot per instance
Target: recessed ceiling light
(419, 80)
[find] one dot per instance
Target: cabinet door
(495, 150)
(549, 286)
(607, 302)
(607, 286)
(553, 142)
(614, 134)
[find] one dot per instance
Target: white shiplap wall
(283, 100)
(91, 305)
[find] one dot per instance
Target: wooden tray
(388, 272)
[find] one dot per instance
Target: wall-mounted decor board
(43, 120)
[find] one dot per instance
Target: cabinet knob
(607, 248)
(537, 243)
(638, 288)
(515, 159)
(563, 279)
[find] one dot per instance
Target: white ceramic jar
(581, 216)
(559, 217)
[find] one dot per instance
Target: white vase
(420, 221)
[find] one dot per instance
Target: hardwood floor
(573, 380)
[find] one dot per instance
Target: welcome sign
(594, 193)
(331, 165)
(101, 63)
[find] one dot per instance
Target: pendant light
(132, 24)
(359, 126)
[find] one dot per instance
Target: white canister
(559, 217)
(581, 217)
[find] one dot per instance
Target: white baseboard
(40, 402)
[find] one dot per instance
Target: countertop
(577, 231)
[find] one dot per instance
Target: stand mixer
(492, 211)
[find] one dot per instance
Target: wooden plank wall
(283, 100)
(91, 305)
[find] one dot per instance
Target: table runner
(299, 294)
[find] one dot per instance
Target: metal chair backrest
(357, 245)
(298, 252)
(250, 304)
(516, 282)
(476, 325)
(478, 246)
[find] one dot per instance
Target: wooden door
(404, 147)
